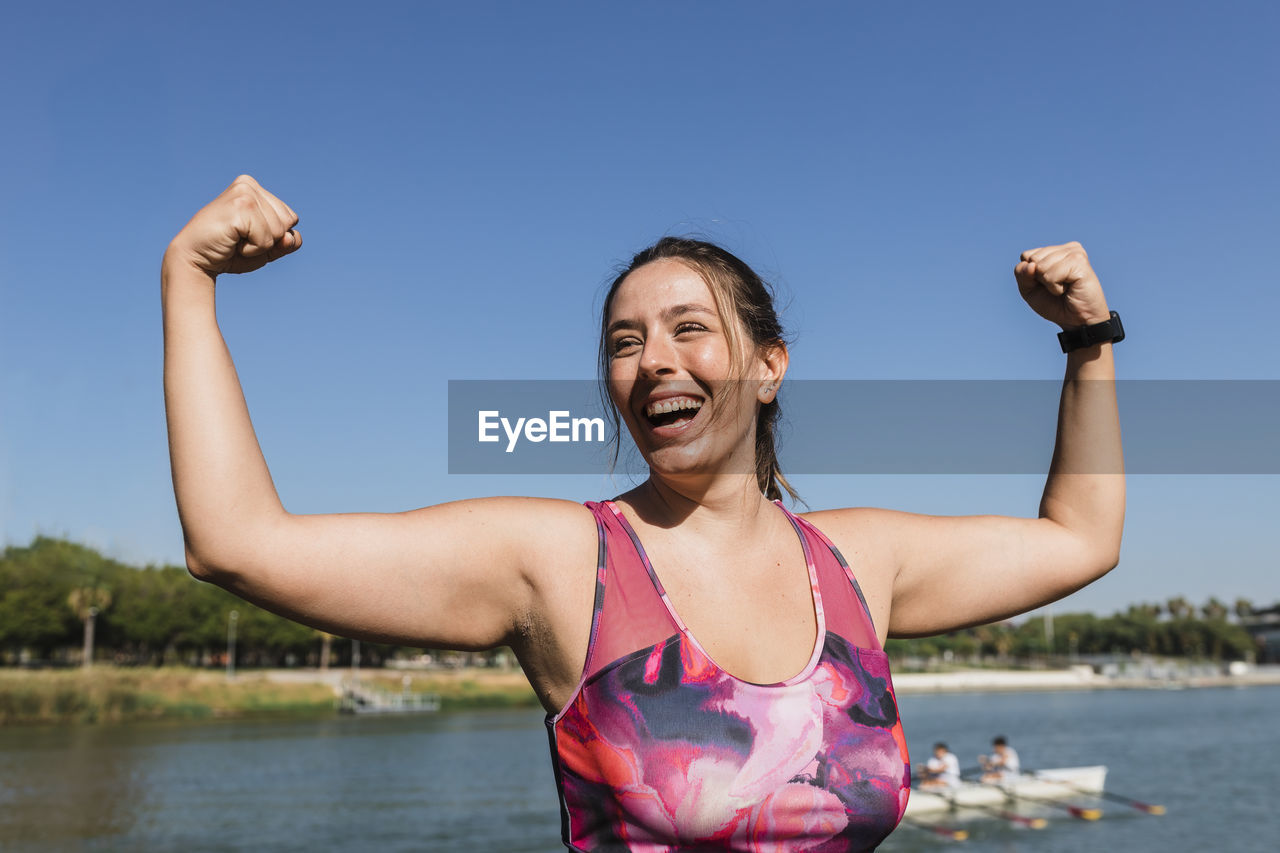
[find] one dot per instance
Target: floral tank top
(662, 750)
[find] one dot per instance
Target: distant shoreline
(107, 694)
(1075, 678)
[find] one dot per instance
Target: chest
(667, 749)
(752, 610)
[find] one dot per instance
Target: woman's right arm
(465, 575)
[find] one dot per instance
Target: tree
(1179, 607)
(1214, 610)
(87, 602)
(1243, 608)
(326, 648)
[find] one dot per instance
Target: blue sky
(468, 174)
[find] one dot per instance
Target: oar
(1029, 822)
(1149, 808)
(1075, 811)
(945, 831)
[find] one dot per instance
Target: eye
(621, 345)
(684, 328)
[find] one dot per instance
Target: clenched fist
(242, 229)
(1061, 286)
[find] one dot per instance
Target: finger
(1049, 262)
(1025, 274)
(1041, 256)
(1043, 275)
(283, 212)
(259, 230)
(276, 216)
(277, 224)
(286, 245)
(1043, 253)
(1067, 266)
(291, 242)
(244, 181)
(276, 221)
(1032, 277)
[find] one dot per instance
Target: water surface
(482, 780)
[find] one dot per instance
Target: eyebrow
(669, 315)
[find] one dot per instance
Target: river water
(482, 780)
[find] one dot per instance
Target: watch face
(1117, 328)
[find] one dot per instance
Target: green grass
(105, 694)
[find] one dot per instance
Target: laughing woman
(711, 663)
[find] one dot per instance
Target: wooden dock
(360, 698)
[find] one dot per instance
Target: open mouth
(672, 411)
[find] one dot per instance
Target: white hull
(1061, 783)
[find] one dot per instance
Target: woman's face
(669, 362)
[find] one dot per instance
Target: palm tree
(1243, 608)
(87, 602)
(1178, 607)
(1214, 610)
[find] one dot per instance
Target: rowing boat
(1061, 783)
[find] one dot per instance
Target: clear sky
(468, 174)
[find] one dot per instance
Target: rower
(942, 770)
(1002, 765)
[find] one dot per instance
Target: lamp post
(231, 643)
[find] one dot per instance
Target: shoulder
(541, 523)
(872, 524)
(854, 520)
(520, 512)
(535, 533)
(865, 537)
(868, 533)
(559, 538)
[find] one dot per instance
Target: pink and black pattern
(662, 750)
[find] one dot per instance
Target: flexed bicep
(461, 575)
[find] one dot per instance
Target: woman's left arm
(937, 574)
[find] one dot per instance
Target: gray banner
(891, 427)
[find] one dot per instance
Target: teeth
(672, 404)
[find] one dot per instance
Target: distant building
(1264, 627)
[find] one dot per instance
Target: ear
(774, 359)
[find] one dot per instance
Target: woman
(710, 664)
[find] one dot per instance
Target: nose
(658, 357)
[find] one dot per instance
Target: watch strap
(1108, 331)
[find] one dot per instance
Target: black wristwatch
(1109, 331)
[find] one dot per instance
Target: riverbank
(109, 694)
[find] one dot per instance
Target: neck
(732, 501)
